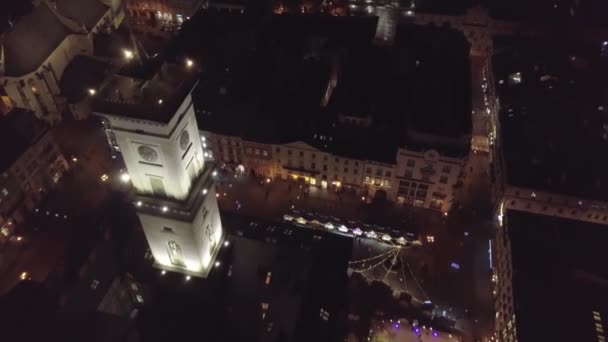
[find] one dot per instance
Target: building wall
(427, 179)
(168, 11)
(197, 240)
(26, 182)
(505, 326)
(179, 243)
(39, 91)
(436, 177)
(173, 166)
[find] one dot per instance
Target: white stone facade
(176, 202)
(438, 175)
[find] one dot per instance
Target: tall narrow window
(175, 253)
(191, 171)
(158, 188)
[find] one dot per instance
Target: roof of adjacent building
(553, 116)
(33, 38)
(280, 77)
(19, 129)
(83, 73)
(559, 277)
(141, 96)
(86, 12)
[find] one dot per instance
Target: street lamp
(125, 177)
(128, 54)
(92, 91)
(189, 62)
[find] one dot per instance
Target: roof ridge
(71, 23)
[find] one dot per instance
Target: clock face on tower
(184, 140)
(147, 153)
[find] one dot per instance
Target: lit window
(265, 306)
(324, 314)
(268, 278)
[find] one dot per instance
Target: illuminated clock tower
(152, 123)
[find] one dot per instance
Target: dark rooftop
(31, 40)
(563, 14)
(277, 85)
(86, 12)
(553, 116)
(559, 277)
(18, 130)
(81, 74)
(156, 98)
(307, 274)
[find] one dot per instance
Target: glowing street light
(128, 54)
(226, 243)
(163, 272)
(125, 177)
(160, 101)
(217, 264)
(189, 62)
(104, 177)
(188, 278)
(165, 209)
(204, 191)
(92, 91)
(138, 203)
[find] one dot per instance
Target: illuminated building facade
(156, 131)
(163, 12)
(425, 179)
(39, 47)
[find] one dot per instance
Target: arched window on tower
(175, 253)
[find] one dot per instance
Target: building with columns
(153, 124)
(36, 50)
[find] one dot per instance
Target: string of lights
(377, 264)
(417, 283)
(403, 272)
(391, 267)
(372, 258)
